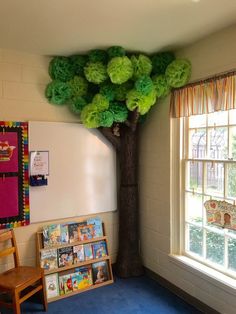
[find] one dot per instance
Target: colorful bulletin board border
(14, 170)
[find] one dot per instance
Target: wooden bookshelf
(39, 244)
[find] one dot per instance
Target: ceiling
(64, 27)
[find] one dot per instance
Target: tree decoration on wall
(113, 91)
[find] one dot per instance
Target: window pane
(232, 181)
(232, 142)
(194, 175)
(197, 121)
(218, 143)
(197, 143)
(215, 247)
(232, 254)
(218, 118)
(215, 178)
(194, 208)
(232, 116)
(195, 237)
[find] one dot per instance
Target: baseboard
(180, 293)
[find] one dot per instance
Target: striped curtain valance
(218, 93)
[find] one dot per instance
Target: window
(208, 166)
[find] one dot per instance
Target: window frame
(177, 192)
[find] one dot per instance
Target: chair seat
(16, 277)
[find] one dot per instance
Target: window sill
(211, 275)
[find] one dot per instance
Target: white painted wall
(209, 56)
(23, 78)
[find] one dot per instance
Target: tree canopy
(104, 86)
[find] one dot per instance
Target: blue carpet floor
(126, 296)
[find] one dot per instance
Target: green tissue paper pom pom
(120, 70)
(178, 73)
(142, 102)
(95, 72)
(77, 104)
(142, 65)
(122, 90)
(115, 51)
(119, 111)
(100, 102)
(106, 119)
(79, 86)
(90, 117)
(160, 61)
(58, 92)
(161, 85)
(98, 55)
(60, 68)
(144, 85)
(78, 63)
(108, 91)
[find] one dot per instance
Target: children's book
(97, 226)
(64, 234)
(85, 232)
(99, 249)
(100, 272)
(62, 280)
(68, 283)
(51, 282)
(82, 278)
(78, 253)
(73, 232)
(65, 256)
(48, 259)
(54, 232)
(46, 243)
(88, 251)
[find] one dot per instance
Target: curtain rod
(209, 79)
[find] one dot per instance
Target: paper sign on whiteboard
(39, 161)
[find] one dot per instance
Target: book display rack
(74, 257)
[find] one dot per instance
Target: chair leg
(44, 295)
(16, 303)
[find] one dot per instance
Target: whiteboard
(82, 172)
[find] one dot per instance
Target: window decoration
(210, 95)
(221, 213)
(14, 187)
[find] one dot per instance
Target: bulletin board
(82, 172)
(14, 186)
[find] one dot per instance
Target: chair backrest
(10, 248)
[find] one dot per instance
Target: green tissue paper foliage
(104, 85)
(142, 65)
(120, 69)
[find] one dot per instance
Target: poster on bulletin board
(14, 185)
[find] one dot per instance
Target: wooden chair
(21, 282)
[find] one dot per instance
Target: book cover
(99, 249)
(78, 253)
(52, 289)
(64, 234)
(88, 251)
(65, 256)
(48, 259)
(61, 280)
(54, 232)
(68, 284)
(100, 272)
(97, 226)
(82, 278)
(85, 232)
(46, 242)
(73, 232)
